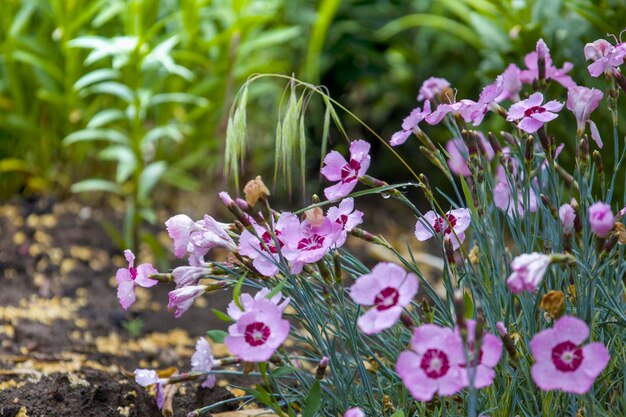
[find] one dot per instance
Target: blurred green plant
(125, 95)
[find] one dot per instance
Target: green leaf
(222, 316)
(85, 135)
(96, 76)
(17, 165)
(217, 335)
(179, 98)
(469, 305)
(126, 160)
(398, 413)
(313, 401)
(149, 178)
(237, 292)
(105, 117)
(96, 185)
(110, 87)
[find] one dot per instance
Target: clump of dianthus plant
(533, 316)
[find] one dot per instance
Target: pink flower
(146, 377)
(346, 216)
(354, 412)
(511, 84)
(601, 218)
(128, 279)
(455, 222)
(246, 301)
(486, 100)
(388, 288)
(501, 329)
(463, 108)
(562, 363)
(258, 333)
(504, 200)
(551, 72)
(311, 243)
(484, 361)
(410, 124)
(189, 275)
(567, 216)
(209, 234)
(435, 365)
(582, 101)
(459, 154)
(347, 173)
(527, 272)
(182, 298)
(202, 361)
(605, 56)
(179, 228)
(532, 114)
(431, 88)
(265, 257)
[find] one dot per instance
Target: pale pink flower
(247, 301)
(182, 298)
(189, 275)
(257, 333)
(486, 100)
(601, 218)
(582, 101)
(431, 88)
(179, 228)
(388, 289)
(463, 108)
(527, 272)
(209, 234)
(605, 56)
(128, 279)
(435, 365)
(202, 361)
(481, 363)
(551, 72)
(562, 362)
(567, 216)
(311, 243)
(504, 200)
(265, 256)
(147, 377)
(336, 168)
(354, 412)
(346, 216)
(532, 113)
(410, 124)
(501, 329)
(511, 84)
(459, 154)
(455, 222)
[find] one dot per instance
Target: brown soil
(64, 349)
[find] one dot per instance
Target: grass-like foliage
(533, 315)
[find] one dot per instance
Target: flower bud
(546, 201)
(255, 191)
(495, 144)
(529, 150)
(583, 152)
(597, 159)
(509, 138)
(321, 368)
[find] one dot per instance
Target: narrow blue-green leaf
(96, 185)
(85, 135)
(149, 178)
(96, 77)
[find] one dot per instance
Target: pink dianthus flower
(336, 168)
(601, 218)
(562, 362)
(128, 279)
(527, 272)
(532, 113)
(431, 88)
(202, 361)
(410, 124)
(482, 363)
(147, 377)
(455, 222)
(582, 101)
(388, 289)
(346, 216)
(258, 332)
(434, 365)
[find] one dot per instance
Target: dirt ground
(65, 344)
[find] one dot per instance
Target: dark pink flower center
(435, 363)
(311, 243)
(446, 226)
(350, 171)
(567, 357)
(386, 299)
(256, 333)
(269, 242)
(534, 109)
(133, 272)
(342, 220)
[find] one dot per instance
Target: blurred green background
(128, 100)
